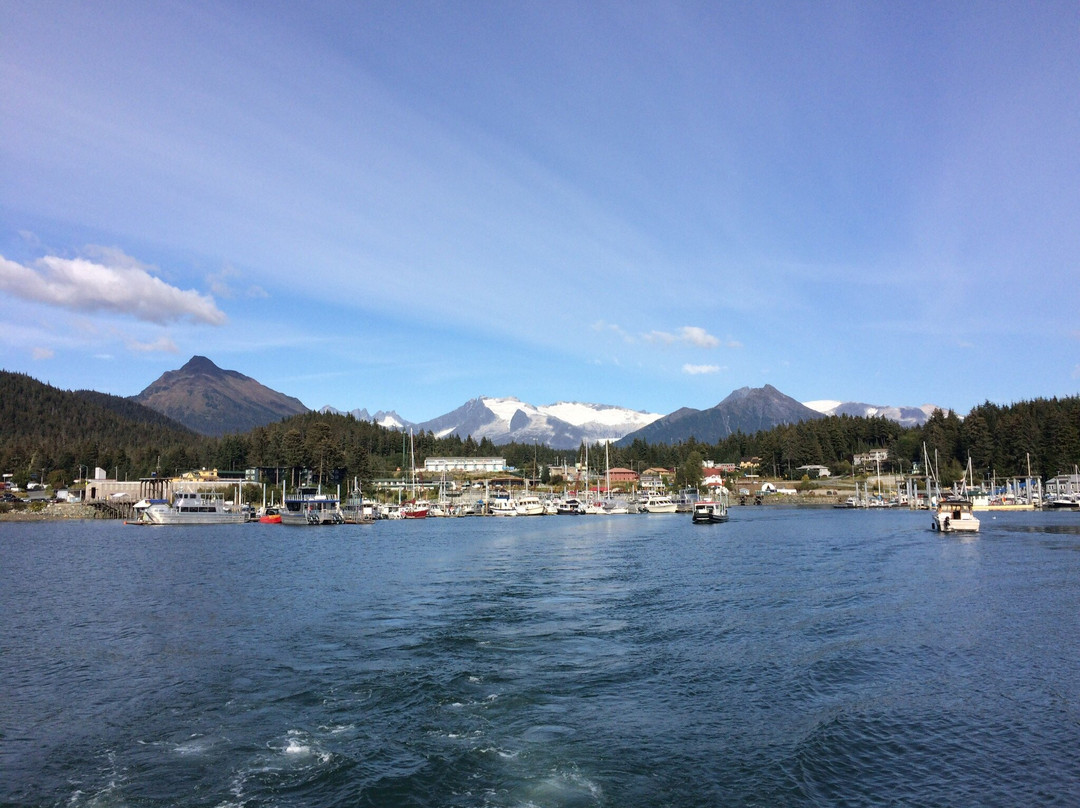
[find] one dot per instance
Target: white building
(871, 457)
(468, 465)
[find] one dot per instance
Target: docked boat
(312, 509)
(606, 507)
(686, 499)
(189, 508)
(571, 506)
(415, 509)
(711, 511)
(270, 516)
(529, 505)
(954, 515)
(658, 503)
(503, 506)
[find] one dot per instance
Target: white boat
(189, 508)
(529, 505)
(658, 503)
(312, 509)
(954, 516)
(503, 506)
(606, 507)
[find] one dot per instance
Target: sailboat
(414, 508)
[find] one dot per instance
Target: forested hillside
(43, 428)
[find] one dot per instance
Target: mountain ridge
(212, 401)
(747, 410)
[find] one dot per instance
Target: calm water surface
(788, 657)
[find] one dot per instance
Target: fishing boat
(713, 510)
(571, 506)
(503, 506)
(954, 515)
(188, 508)
(415, 509)
(353, 509)
(308, 508)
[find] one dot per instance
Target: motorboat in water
(311, 509)
(570, 506)
(529, 505)
(189, 508)
(415, 509)
(954, 515)
(711, 511)
(270, 516)
(503, 506)
(658, 503)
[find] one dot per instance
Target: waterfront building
(466, 465)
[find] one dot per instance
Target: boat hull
(151, 516)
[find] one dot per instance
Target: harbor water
(789, 657)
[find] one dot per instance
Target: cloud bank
(114, 282)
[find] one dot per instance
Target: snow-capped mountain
(563, 425)
(390, 420)
(905, 416)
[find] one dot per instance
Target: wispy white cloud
(688, 334)
(112, 282)
(700, 370)
(228, 283)
(612, 328)
(659, 337)
(695, 335)
(162, 344)
(43, 353)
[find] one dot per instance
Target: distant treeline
(63, 433)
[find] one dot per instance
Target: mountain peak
(213, 401)
(747, 410)
(200, 364)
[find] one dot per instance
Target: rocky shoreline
(51, 511)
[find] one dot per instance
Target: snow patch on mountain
(825, 406)
(579, 414)
(905, 416)
(390, 420)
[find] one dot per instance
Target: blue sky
(403, 206)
